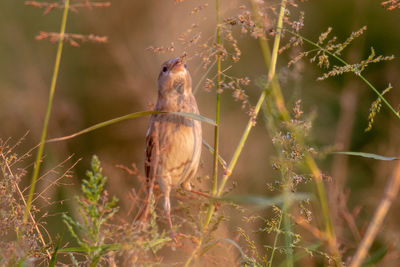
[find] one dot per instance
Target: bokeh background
(99, 81)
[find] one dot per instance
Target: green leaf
(107, 247)
(376, 257)
(53, 259)
(131, 116)
(367, 155)
(264, 201)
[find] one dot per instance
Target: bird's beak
(178, 66)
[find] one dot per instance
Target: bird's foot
(174, 237)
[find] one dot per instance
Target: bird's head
(174, 78)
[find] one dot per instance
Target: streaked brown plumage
(173, 142)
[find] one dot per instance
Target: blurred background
(100, 81)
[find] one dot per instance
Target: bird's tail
(145, 212)
(143, 216)
(151, 166)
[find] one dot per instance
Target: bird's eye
(164, 69)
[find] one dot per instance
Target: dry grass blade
(392, 188)
(23, 200)
(50, 171)
(58, 179)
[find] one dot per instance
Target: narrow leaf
(211, 149)
(367, 155)
(376, 257)
(264, 201)
(192, 116)
(236, 245)
(107, 247)
(53, 259)
(131, 116)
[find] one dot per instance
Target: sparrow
(173, 142)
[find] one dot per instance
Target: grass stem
(48, 112)
(278, 232)
(312, 166)
(218, 106)
(250, 124)
(245, 134)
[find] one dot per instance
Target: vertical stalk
(271, 258)
(245, 134)
(266, 52)
(48, 111)
(271, 75)
(286, 221)
(218, 105)
(321, 192)
(311, 164)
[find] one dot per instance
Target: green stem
(48, 111)
(284, 115)
(271, 75)
(268, 108)
(397, 114)
(241, 144)
(286, 221)
(246, 132)
(278, 231)
(266, 52)
(210, 213)
(322, 198)
(218, 106)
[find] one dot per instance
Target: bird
(173, 141)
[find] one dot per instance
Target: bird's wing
(149, 150)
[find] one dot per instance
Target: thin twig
(56, 180)
(203, 77)
(392, 188)
(52, 170)
(30, 214)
